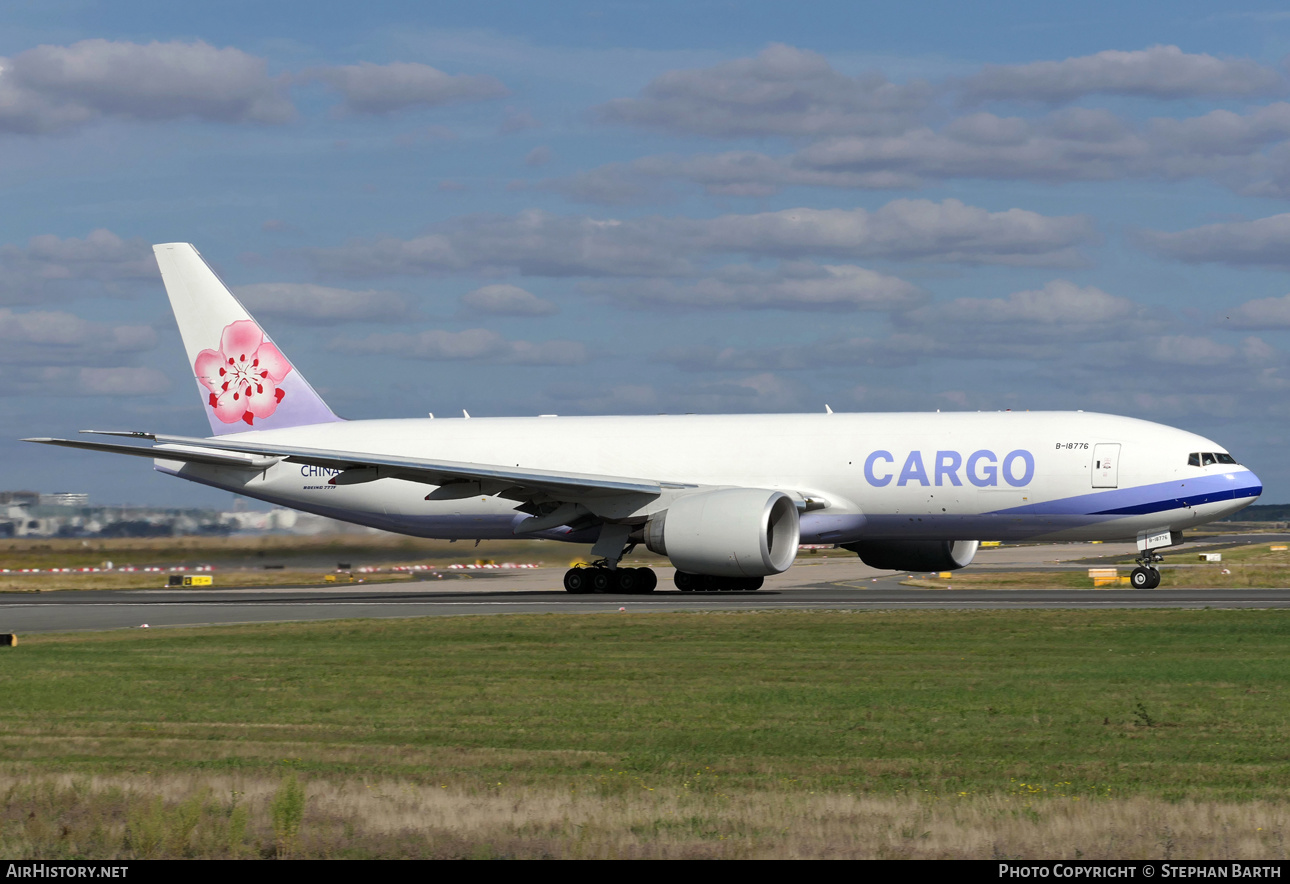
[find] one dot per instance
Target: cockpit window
(1209, 458)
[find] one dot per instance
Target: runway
(832, 589)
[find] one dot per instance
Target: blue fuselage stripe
(1156, 506)
(1144, 499)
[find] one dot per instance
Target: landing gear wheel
(752, 584)
(648, 580)
(601, 580)
(577, 580)
(685, 581)
(627, 580)
(1144, 578)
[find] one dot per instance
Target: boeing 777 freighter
(726, 498)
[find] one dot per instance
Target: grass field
(256, 551)
(154, 580)
(1198, 576)
(271, 560)
(1247, 565)
(1010, 733)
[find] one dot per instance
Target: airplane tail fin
(244, 380)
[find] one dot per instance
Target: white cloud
(1265, 243)
(1161, 72)
(613, 184)
(385, 88)
(538, 243)
(58, 338)
(52, 353)
(585, 398)
(781, 91)
(791, 286)
(1188, 350)
(309, 304)
(1077, 144)
(506, 300)
(761, 392)
(52, 88)
(1040, 325)
(1059, 302)
(765, 391)
(1262, 313)
(533, 243)
(1221, 132)
(476, 344)
(538, 156)
(1057, 322)
(1257, 350)
(889, 350)
(733, 173)
(517, 121)
(96, 382)
(948, 231)
(121, 382)
(50, 266)
(1247, 152)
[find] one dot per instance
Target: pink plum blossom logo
(243, 376)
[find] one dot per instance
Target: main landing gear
(1145, 576)
(627, 581)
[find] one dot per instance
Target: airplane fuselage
(947, 476)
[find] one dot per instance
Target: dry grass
(970, 579)
(155, 580)
(239, 550)
(1225, 575)
(1237, 577)
(221, 816)
(240, 561)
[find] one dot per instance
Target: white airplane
(727, 498)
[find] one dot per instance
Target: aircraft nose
(1256, 484)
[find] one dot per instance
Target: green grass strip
(1177, 704)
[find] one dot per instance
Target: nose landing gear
(1146, 576)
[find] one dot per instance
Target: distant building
(69, 514)
(64, 498)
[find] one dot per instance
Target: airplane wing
(455, 479)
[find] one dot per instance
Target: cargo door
(1106, 465)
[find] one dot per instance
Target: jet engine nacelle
(733, 532)
(915, 555)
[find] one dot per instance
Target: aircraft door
(1106, 465)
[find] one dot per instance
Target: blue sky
(521, 208)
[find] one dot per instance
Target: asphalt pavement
(826, 583)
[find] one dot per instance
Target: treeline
(1271, 512)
